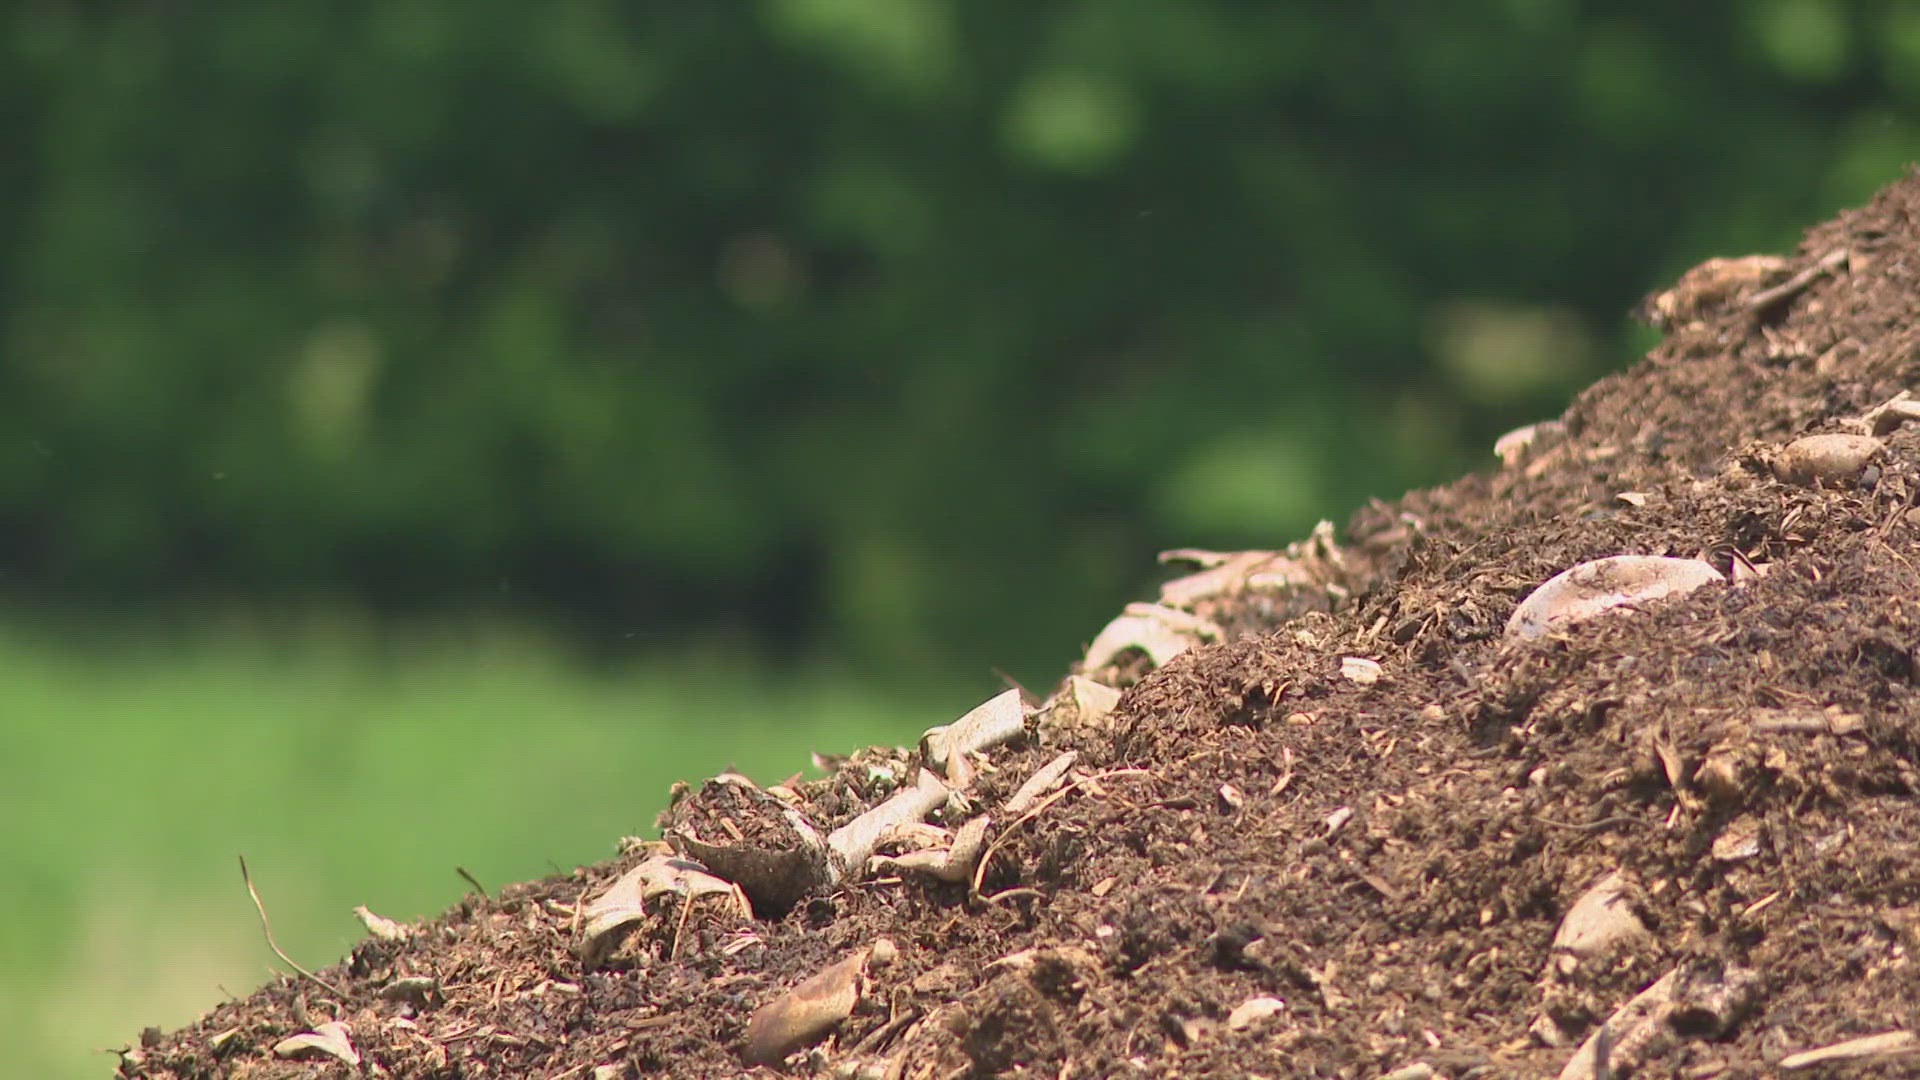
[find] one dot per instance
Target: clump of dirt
(1364, 832)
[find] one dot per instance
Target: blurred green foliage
(905, 330)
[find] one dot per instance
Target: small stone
(1512, 447)
(1825, 459)
(1599, 920)
(1738, 842)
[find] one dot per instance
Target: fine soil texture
(1346, 809)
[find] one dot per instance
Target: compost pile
(1332, 810)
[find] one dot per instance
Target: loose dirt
(1272, 858)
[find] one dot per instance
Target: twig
(686, 908)
(1591, 826)
(873, 1039)
(1027, 698)
(1767, 297)
(267, 928)
(980, 870)
(471, 880)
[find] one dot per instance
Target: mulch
(1336, 826)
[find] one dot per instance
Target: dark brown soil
(1389, 859)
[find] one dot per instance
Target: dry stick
(267, 927)
(1799, 281)
(686, 908)
(980, 869)
(888, 1030)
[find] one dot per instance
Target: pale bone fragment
(853, 843)
(1359, 669)
(1025, 960)
(1338, 818)
(1825, 459)
(1044, 779)
(1641, 1030)
(1252, 1011)
(1314, 563)
(1599, 920)
(999, 719)
(380, 926)
(1204, 558)
(1832, 721)
(954, 863)
(1512, 447)
(1605, 585)
(1890, 414)
(805, 1013)
(1227, 577)
(624, 901)
(1798, 281)
(1711, 284)
(608, 1072)
(916, 836)
(331, 1038)
(1885, 1044)
(1419, 1070)
(1155, 629)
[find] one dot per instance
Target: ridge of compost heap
(1350, 815)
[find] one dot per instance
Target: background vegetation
(428, 425)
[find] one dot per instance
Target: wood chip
(805, 1013)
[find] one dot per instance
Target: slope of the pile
(1381, 863)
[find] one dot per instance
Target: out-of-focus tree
(902, 329)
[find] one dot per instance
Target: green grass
(132, 774)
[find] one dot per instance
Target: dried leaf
(331, 1038)
(380, 926)
(1044, 779)
(624, 902)
(1080, 703)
